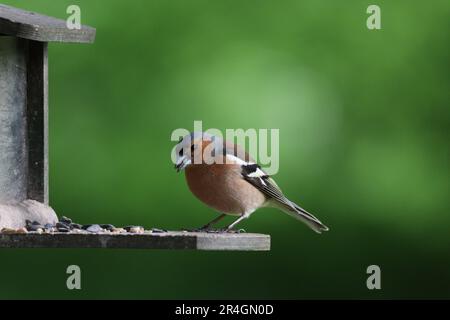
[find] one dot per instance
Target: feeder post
(24, 37)
(13, 114)
(37, 125)
(23, 120)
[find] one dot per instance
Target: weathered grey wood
(33, 26)
(239, 241)
(167, 240)
(23, 133)
(13, 102)
(23, 120)
(24, 112)
(37, 121)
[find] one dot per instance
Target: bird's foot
(201, 229)
(226, 230)
(191, 230)
(208, 229)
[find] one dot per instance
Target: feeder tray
(166, 240)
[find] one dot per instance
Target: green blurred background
(364, 123)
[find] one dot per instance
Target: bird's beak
(182, 163)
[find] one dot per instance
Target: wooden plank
(172, 240)
(37, 121)
(233, 242)
(38, 27)
(13, 102)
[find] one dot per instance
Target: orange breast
(221, 187)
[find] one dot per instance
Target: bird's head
(196, 148)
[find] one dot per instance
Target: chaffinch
(224, 177)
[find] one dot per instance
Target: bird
(227, 179)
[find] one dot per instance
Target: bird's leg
(209, 224)
(231, 226)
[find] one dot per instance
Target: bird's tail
(301, 214)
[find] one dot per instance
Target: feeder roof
(38, 27)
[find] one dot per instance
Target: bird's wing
(253, 174)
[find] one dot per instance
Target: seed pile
(66, 225)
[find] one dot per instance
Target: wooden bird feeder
(24, 190)
(24, 37)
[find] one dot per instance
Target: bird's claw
(212, 230)
(201, 229)
(192, 230)
(226, 230)
(236, 231)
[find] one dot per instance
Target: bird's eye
(181, 152)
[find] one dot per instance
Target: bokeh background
(364, 126)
